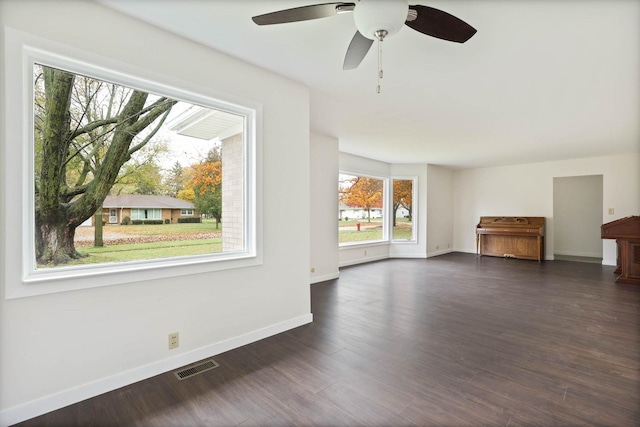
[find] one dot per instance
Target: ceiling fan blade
(358, 49)
(440, 24)
(303, 13)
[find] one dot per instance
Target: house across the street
(145, 207)
(354, 212)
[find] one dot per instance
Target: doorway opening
(577, 217)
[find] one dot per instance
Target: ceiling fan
(375, 20)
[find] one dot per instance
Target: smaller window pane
(402, 209)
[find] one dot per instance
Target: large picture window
(97, 141)
(117, 175)
(361, 209)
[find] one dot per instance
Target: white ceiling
(541, 80)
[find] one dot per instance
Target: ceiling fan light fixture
(371, 16)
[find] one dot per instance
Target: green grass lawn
(166, 249)
(152, 250)
(140, 251)
(402, 231)
(346, 236)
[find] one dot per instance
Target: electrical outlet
(437, 246)
(611, 211)
(313, 270)
(174, 340)
(365, 253)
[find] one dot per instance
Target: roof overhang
(206, 123)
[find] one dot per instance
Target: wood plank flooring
(454, 340)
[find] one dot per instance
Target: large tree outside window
(85, 131)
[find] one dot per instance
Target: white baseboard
(574, 253)
(325, 277)
(409, 256)
(441, 252)
(68, 397)
(362, 260)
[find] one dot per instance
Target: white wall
(64, 347)
(577, 215)
(527, 190)
(439, 210)
(324, 208)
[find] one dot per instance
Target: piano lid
(511, 221)
(624, 228)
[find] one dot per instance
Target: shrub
(146, 221)
(126, 220)
(188, 220)
(167, 221)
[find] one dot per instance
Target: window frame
(21, 277)
(385, 203)
(187, 212)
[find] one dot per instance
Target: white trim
(583, 254)
(360, 243)
(441, 252)
(363, 260)
(67, 397)
(421, 255)
(325, 277)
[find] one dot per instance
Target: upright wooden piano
(511, 237)
(626, 231)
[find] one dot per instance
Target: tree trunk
(54, 243)
(97, 235)
(395, 214)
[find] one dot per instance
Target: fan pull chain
(380, 35)
(380, 73)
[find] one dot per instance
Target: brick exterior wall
(232, 193)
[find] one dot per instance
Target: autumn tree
(206, 180)
(187, 194)
(86, 130)
(362, 192)
(402, 196)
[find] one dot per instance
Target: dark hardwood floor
(449, 341)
